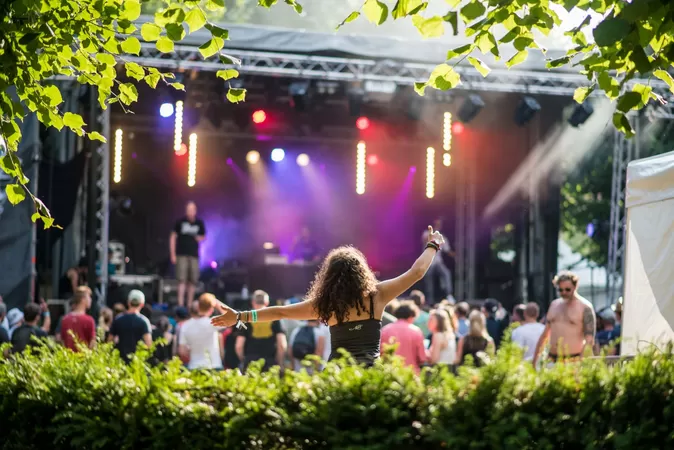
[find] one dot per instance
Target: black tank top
(360, 338)
(472, 345)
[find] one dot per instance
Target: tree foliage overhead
(87, 40)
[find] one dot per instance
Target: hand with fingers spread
(226, 319)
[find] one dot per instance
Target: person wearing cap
(14, 319)
(132, 327)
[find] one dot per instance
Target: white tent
(648, 310)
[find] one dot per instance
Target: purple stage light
(133, 155)
(166, 109)
(214, 265)
(229, 161)
(413, 169)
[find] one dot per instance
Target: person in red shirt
(408, 336)
(77, 326)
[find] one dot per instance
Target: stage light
(253, 157)
(580, 114)
(303, 160)
(447, 132)
(363, 123)
(413, 169)
(117, 168)
(268, 245)
(360, 168)
(430, 172)
(259, 116)
(214, 265)
(526, 110)
(278, 154)
(182, 151)
(192, 161)
(457, 128)
(372, 160)
(178, 137)
(230, 161)
(166, 109)
(470, 108)
(447, 159)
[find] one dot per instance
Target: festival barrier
(92, 400)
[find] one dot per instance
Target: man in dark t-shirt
(187, 233)
(22, 336)
(262, 340)
(131, 327)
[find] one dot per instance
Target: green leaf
(519, 58)
(130, 10)
(165, 45)
(217, 31)
(666, 77)
(628, 101)
(131, 45)
(217, 5)
(266, 3)
(74, 122)
(459, 51)
(150, 32)
(53, 95)
(350, 18)
(128, 93)
(106, 58)
(15, 193)
(177, 86)
(35, 217)
(375, 11)
(479, 66)
(582, 93)
(429, 28)
(559, 62)
(134, 71)
(213, 46)
(227, 74)
(296, 6)
(175, 31)
(96, 136)
(195, 19)
(444, 77)
(622, 124)
(609, 85)
(644, 94)
(9, 166)
(420, 88)
(403, 8)
(610, 31)
(452, 18)
(485, 42)
(523, 42)
(641, 60)
(472, 11)
(152, 79)
(511, 35)
(236, 95)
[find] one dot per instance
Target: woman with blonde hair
(443, 342)
(104, 323)
(477, 342)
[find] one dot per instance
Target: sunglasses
(565, 289)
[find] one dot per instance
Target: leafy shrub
(91, 400)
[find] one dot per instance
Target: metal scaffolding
(466, 228)
(352, 69)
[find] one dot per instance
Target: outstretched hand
(435, 236)
(227, 319)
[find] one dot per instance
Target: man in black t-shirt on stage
(185, 238)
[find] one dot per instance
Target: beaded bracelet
(433, 245)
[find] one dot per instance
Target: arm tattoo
(589, 322)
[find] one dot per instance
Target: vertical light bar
(192, 161)
(117, 165)
(360, 168)
(430, 172)
(178, 140)
(447, 139)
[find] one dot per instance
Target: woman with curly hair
(346, 296)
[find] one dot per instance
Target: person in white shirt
(528, 333)
(200, 343)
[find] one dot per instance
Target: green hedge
(62, 400)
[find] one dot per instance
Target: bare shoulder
(585, 302)
(555, 305)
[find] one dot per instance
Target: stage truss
(361, 69)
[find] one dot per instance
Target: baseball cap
(136, 298)
(182, 313)
(14, 316)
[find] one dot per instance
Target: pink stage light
(363, 123)
(214, 265)
(457, 128)
(259, 116)
(182, 150)
(373, 160)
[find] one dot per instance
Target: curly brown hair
(341, 284)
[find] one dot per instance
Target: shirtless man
(571, 322)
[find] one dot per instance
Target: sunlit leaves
(459, 51)
(195, 19)
(175, 31)
(74, 122)
(479, 66)
(404, 8)
(472, 10)
(610, 31)
(666, 77)
(582, 93)
(350, 18)
(134, 71)
(213, 46)
(131, 45)
(236, 95)
(443, 78)
(130, 10)
(150, 32)
(53, 95)
(622, 124)
(518, 58)
(227, 74)
(429, 28)
(15, 193)
(375, 11)
(164, 44)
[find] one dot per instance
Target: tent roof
(650, 180)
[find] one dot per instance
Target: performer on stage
(305, 247)
(439, 275)
(346, 296)
(184, 246)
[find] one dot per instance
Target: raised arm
(390, 289)
(298, 311)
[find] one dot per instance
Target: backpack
(305, 343)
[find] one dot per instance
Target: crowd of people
(441, 334)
